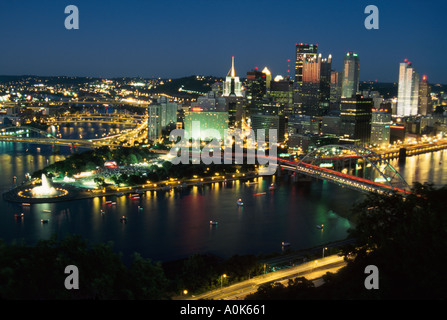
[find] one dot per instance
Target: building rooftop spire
(232, 72)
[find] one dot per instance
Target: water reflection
(172, 224)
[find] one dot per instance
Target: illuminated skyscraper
(408, 90)
(232, 85)
(304, 52)
(425, 103)
(350, 75)
(380, 127)
(314, 90)
(256, 85)
(355, 119)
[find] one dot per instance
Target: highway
(312, 270)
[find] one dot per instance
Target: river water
(168, 225)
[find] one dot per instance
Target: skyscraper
(335, 90)
(408, 90)
(304, 52)
(256, 85)
(232, 85)
(355, 119)
(350, 75)
(314, 90)
(425, 103)
(380, 127)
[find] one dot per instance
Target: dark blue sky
(180, 38)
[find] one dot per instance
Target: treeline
(404, 237)
(38, 272)
(91, 159)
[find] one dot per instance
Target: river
(168, 225)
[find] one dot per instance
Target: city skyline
(175, 39)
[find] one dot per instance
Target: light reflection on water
(166, 225)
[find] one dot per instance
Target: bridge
(105, 118)
(349, 166)
(27, 134)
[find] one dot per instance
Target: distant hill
(191, 83)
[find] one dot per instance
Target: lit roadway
(119, 119)
(312, 270)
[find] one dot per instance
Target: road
(312, 270)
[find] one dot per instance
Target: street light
(221, 280)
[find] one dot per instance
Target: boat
(108, 202)
(123, 219)
(259, 194)
(46, 211)
(213, 222)
(320, 226)
(285, 244)
(272, 186)
(239, 202)
(18, 216)
(44, 220)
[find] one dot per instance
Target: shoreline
(78, 193)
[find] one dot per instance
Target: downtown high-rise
(350, 75)
(408, 90)
(304, 52)
(425, 103)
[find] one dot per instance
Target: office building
(304, 52)
(232, 85)
(198, 122)
(267, 122)
(408, 90)
(154, 122)
(211, 102)
(281, 92)
(330, 123)
(355, 120)
(380, 128)
(425, 103)
(350, 75)
(335, 91)
(256, 85)
(314, 91)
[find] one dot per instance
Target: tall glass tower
(350, 75)
(408, 90)
(304, 52)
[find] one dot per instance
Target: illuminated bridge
(349, 166)
(106, 118)
(33, 135)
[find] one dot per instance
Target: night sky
(181, 38)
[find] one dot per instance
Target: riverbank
(79, 193)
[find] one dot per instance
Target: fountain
(39, 194)
(45, 190)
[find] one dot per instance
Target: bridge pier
(55, 149)
(402, 155)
